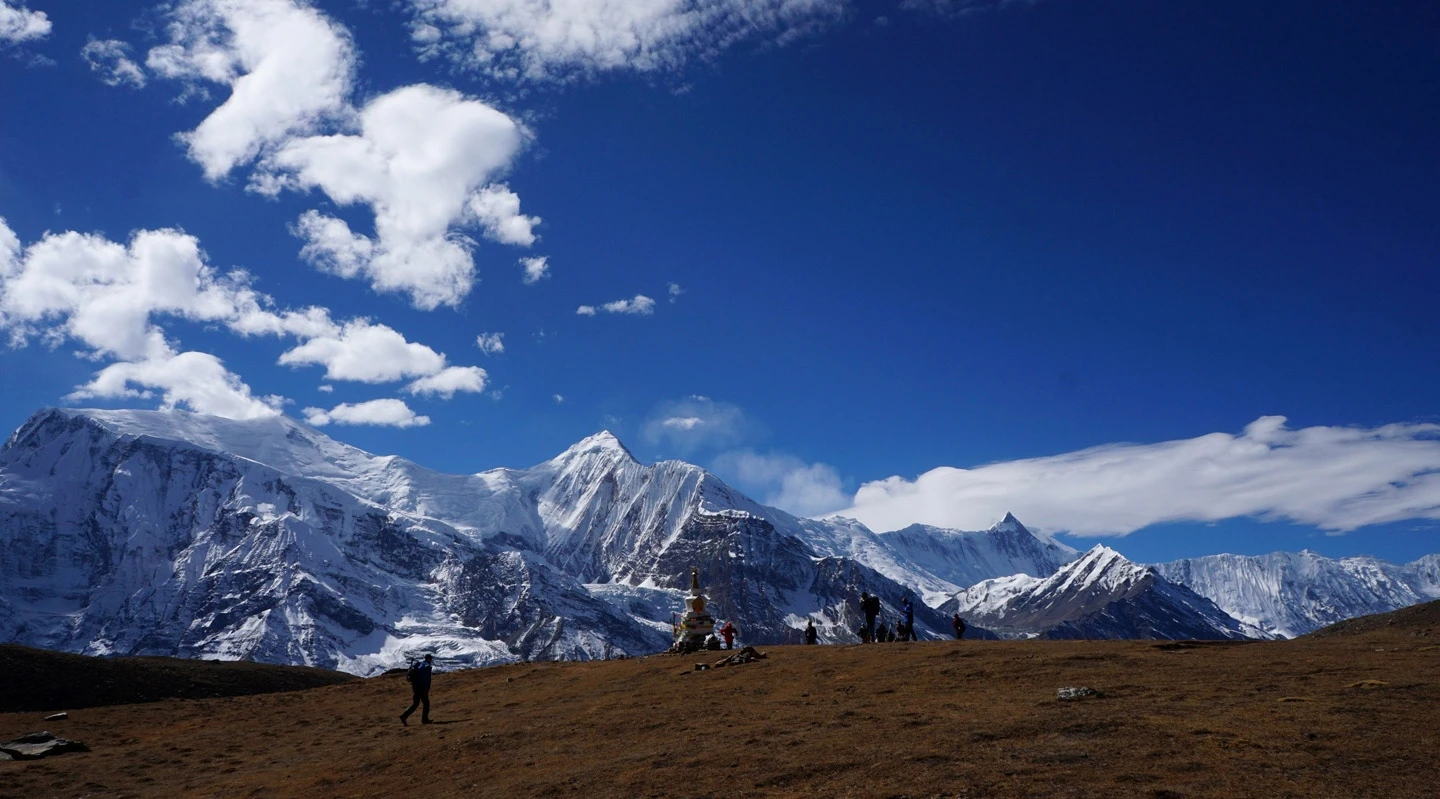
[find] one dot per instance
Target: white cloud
(20, 24)
(331, 246)
(9, 253)
(447, 382)
(560, 39)
(422, 161)
(104, 293)
(1337, 478)
(785, 482)
(113, 297)
(289, 68)
(497, 209)
(110, 60)
(536, 269)
(694, 422)
(326, 388)
(559, 399)
(639, 305)
(195, 380)
(367, 353)
(491, 343)
(379, 413)
(675, 291)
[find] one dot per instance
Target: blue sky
(916, 261)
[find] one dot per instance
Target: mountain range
(172, 533)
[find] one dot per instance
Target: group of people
(877, 630)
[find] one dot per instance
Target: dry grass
(38, 679)
(921, 719)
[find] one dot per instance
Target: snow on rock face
(166, 532)
(1098, 595)
(1293, 593)
(966, 558)
(936, 562)
(122, 538)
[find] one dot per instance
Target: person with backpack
(959, 625)
(418, 675)
(908, 611)
(811, 635)
(870, 604)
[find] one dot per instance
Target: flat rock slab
(37, 745)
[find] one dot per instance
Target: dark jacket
(419, 676)
(811, 636)
(871, 605)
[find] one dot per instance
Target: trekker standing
(871, 606)
(908, 611)
(419, 677)
(728, 633)
(811, 636)
(959, 625)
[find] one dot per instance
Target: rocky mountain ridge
(171, 533)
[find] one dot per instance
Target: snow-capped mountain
(938, 562)
(1293, 593)
(165, 532)
(1098, 595)
(965, 558)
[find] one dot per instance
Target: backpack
(410, 672)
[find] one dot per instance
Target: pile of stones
(37, 745)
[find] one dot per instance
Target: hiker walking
(728, 633)
(908, 611)
(418, 676)
(959, 625)
(811, 636)
(871, 606)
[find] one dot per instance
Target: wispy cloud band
(1336, 478)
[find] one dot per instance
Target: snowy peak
(1101, 594)
(1100, 569)
(279, 442)
(1009, 524)
(603, 444)
(963, 558)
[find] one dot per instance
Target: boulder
(39, 744)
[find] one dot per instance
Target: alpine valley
(172, 533)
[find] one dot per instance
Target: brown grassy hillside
(1419, 620)
(37, 679)
(1338, 717)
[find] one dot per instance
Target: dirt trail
(967, 718)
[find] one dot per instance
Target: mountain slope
(1293, 593)
(1098, 595)
(170, 533)
(123, 538)
(936, 562)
